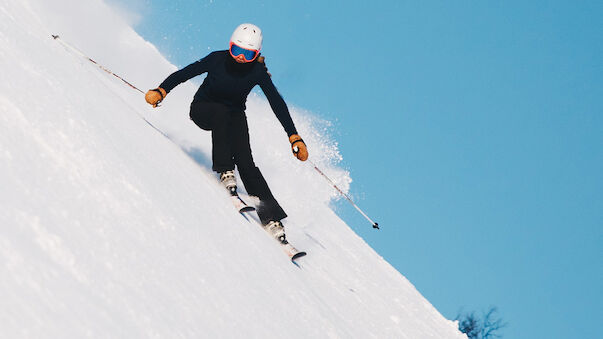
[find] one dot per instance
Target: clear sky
(473, 131)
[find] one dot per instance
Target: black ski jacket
(229, 82)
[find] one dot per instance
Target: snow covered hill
(112, 228)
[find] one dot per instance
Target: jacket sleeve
(188, 72)
(278, 105)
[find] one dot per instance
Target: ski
(227, 179)
(239, 204)
(291, 252)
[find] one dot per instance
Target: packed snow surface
(113, 225)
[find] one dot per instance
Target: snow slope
(111, 228)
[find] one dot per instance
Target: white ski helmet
(247, 36)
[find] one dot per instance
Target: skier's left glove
(155, 96)
(298, 147)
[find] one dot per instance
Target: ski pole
(80, 53)
(375, 225)
(77, 51)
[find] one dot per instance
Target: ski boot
(276, 230)
(229, 181)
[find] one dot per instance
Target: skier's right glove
(298, 147)
(155, 96)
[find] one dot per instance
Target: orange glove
(155, 96)
(298, 147)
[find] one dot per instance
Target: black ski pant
(230, 147)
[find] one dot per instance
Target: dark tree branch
(476, 328)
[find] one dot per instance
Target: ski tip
(247, 209)
(298, 255)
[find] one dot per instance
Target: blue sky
(473, 131)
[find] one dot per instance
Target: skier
(219, 107)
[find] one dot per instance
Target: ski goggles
(248, 54)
